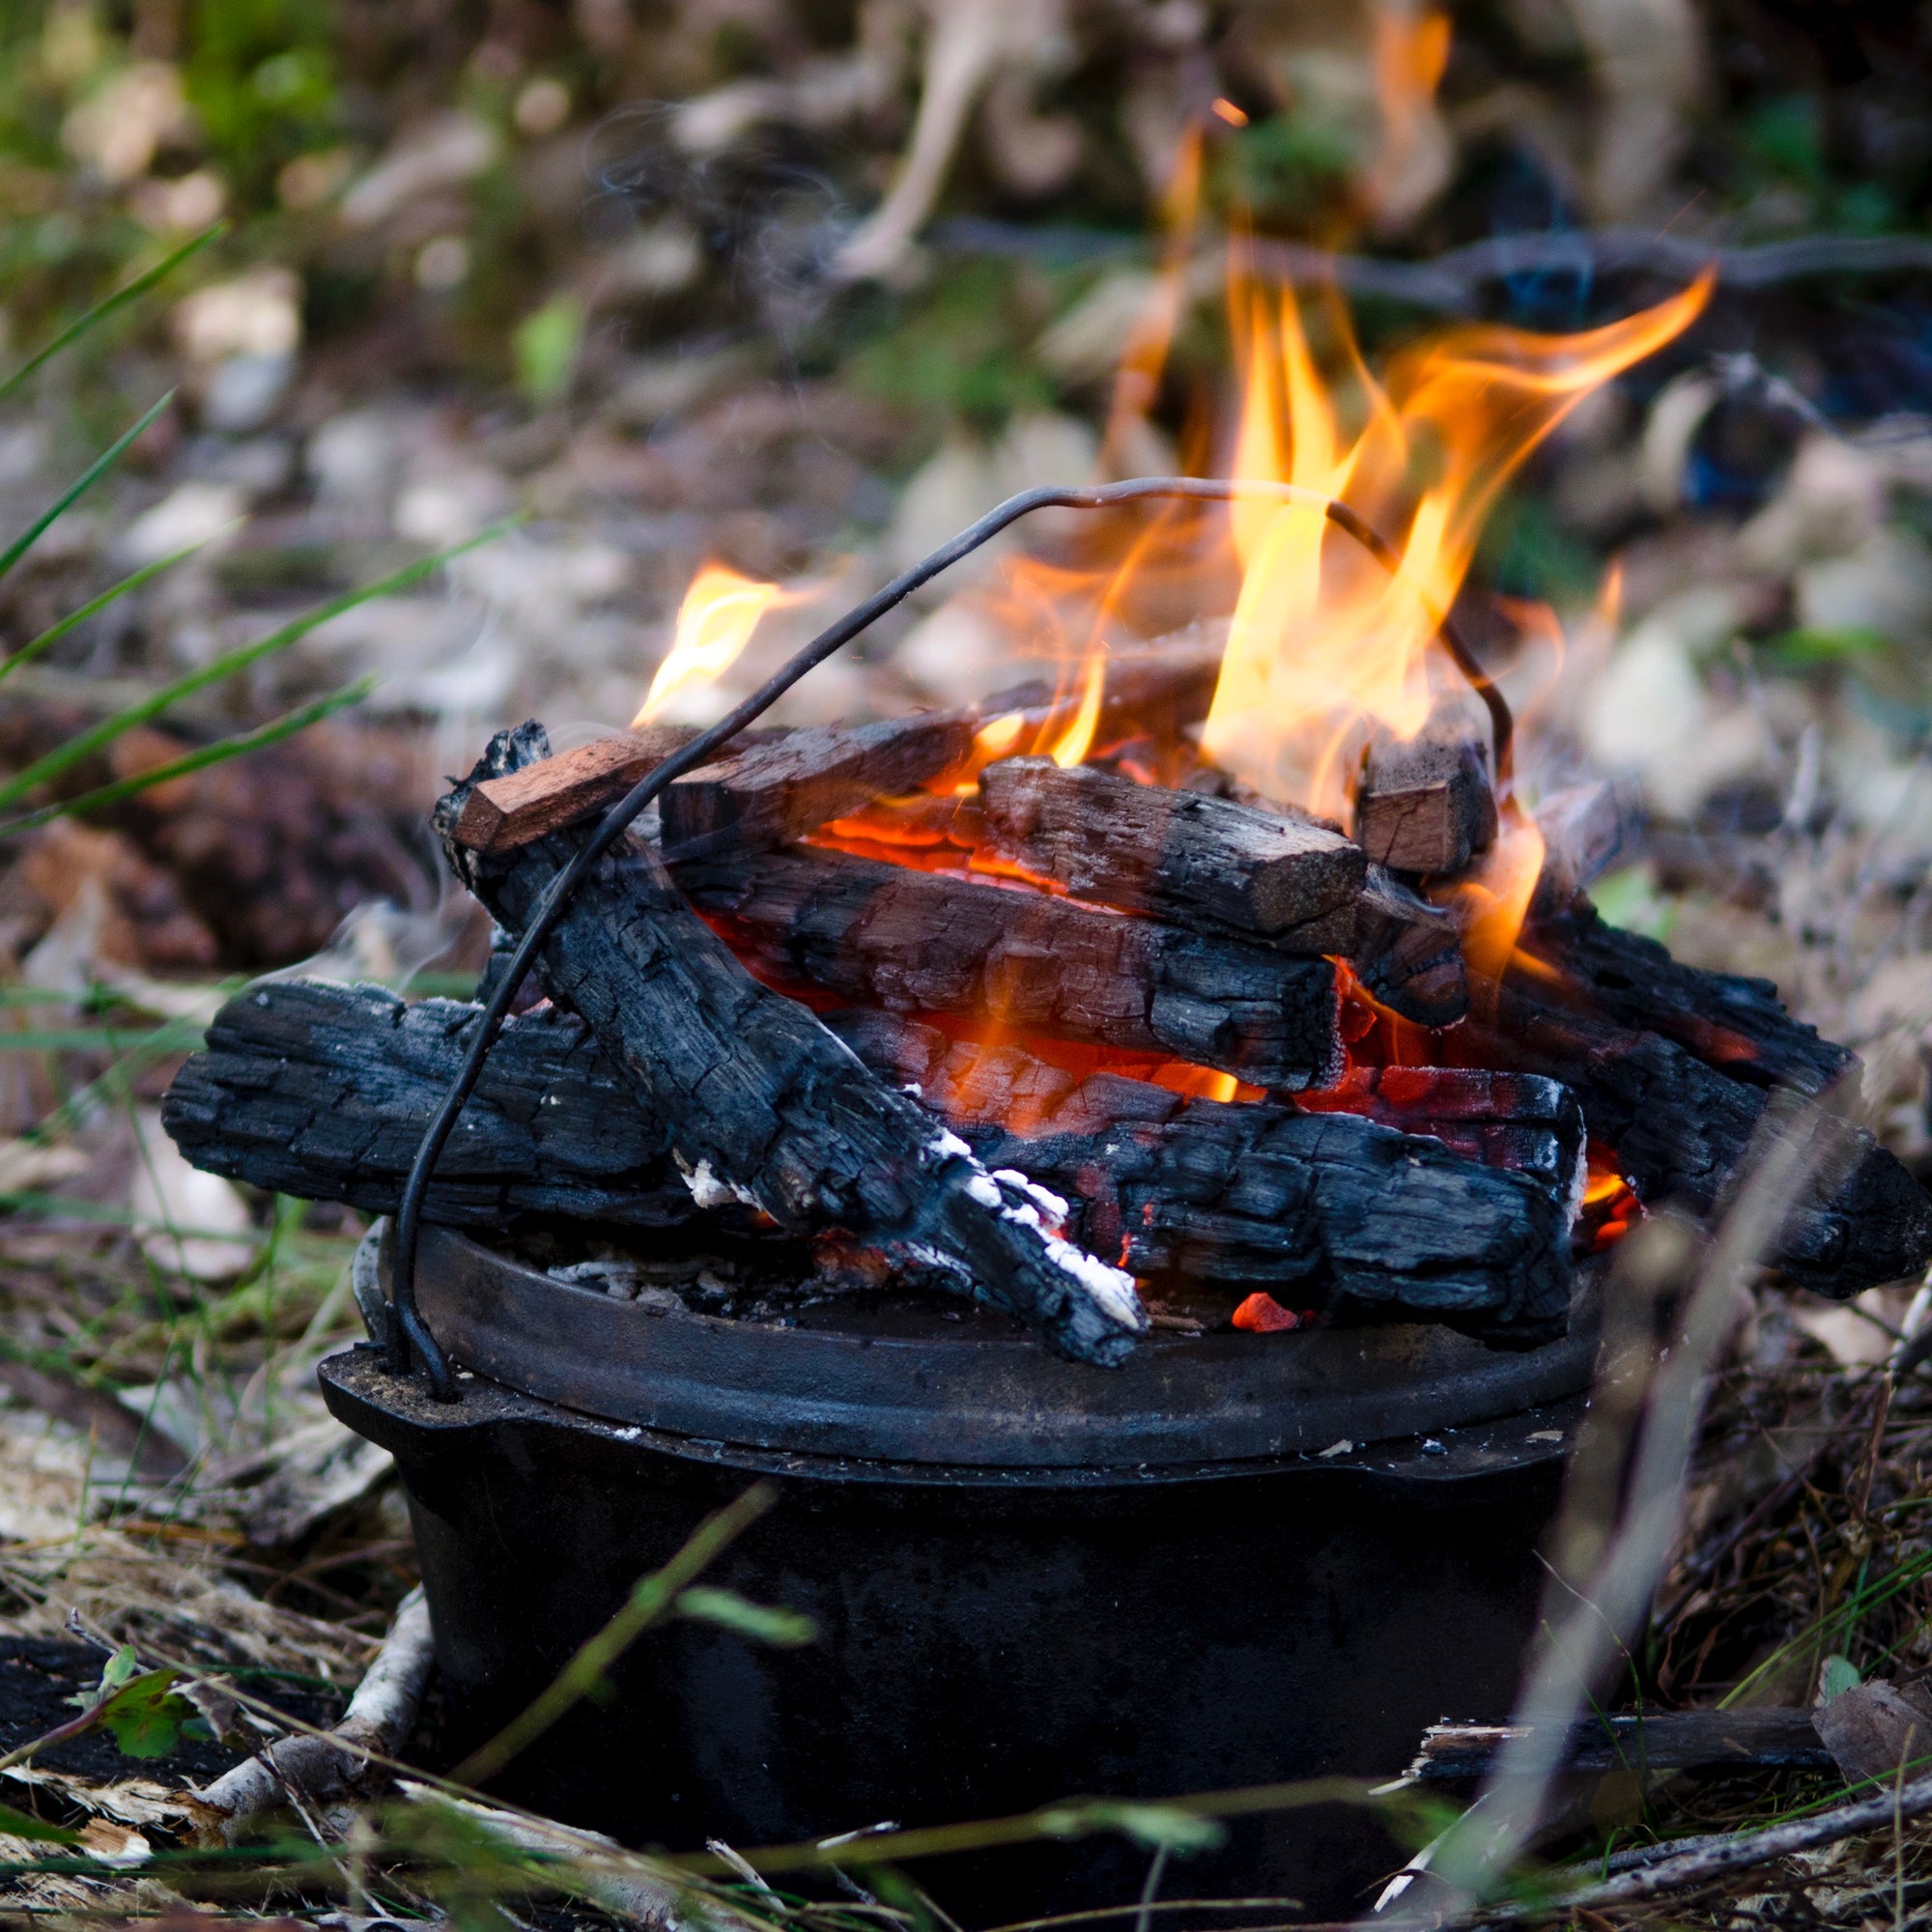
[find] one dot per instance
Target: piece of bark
(316, 1767)
(527, 803)
(1179, 1186)
(780, 790)
(1178, 855)
(325, 1091)
(1871, 1730)
(915, 941)
(1426, 804)
(1763, 1740)
(761, 1102)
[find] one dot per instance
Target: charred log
(912, 941)
(1367, 1218)
(1680, 1129)
(1520, 1120)
(504, 812)
(1730, 1022)
(1176, 854)
(323, 1091)
(763, 1103)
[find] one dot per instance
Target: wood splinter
(1428, 803)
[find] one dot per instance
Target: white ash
(946, 1144)
(1049, 1203)
(623, 1281)
(708, 1190)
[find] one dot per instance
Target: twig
(1716, 1859)
(379, 1719)
(1451, 283)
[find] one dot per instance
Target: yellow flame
(1077, 740)
(1492, 903)
(1326, 645)
(995, 738)
(715, 622)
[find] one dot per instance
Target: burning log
(780, 790)
(1517, 1121)
(1680, 1128)
(1157, 693)
(914, 941)
(1735, 1024)
(1195, 859)
(1176, 854)
(1426, 804)
(764, 1105)
(322, 1090)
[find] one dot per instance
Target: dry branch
(764, 1104)
(1759, 1740)
(316, 1767)
(914, 941)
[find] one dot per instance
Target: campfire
(1225, 975)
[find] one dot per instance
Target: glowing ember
(1262, 1314)
(715, 622)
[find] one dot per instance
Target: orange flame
(1493, 903)
(715, 622)
(1077, 740)
(1327, 648)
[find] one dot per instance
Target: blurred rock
(187, 1222)
(447, 150)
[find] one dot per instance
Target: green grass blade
(66, 500)
(101, 310)
(54, 632)
(85, 743)
(242, 742)
(164, 1039)
(68, 1207)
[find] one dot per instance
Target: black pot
(1238, 1561)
